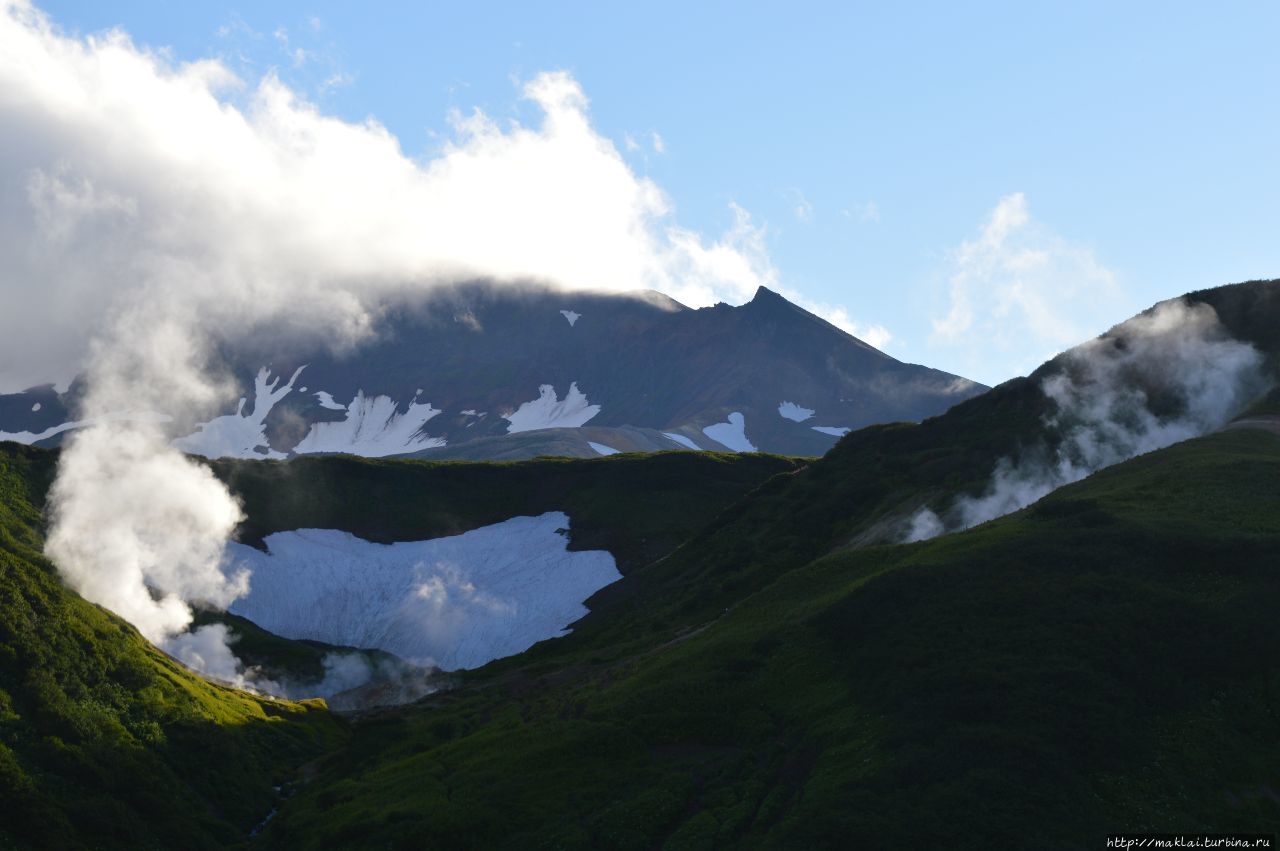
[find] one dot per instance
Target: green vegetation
(768, 674)
(1105, 660)
(864, 488)
(639, 507)
(104, 740)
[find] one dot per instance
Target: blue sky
(976, 185)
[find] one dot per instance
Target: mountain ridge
(459, 364)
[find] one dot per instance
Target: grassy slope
(774, 697)
(105, 741)
(639, 507)
(874, 479)
(1106, 659)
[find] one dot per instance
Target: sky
(969, 186)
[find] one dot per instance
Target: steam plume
(1162, 377)
(160, 209)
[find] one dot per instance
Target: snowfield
(374, 429)
(549, 412)
(373, 426)
(682, 440)
(732, 434)
(457, 602)
(795, 413)
(834, 431)
(325, 400)
(237, 435)
(30, 437)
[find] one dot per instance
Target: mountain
(775, 668)
(481, 372)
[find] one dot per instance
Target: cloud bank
(124, 171)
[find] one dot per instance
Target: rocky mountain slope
(483, 372)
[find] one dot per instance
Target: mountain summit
(482, 371)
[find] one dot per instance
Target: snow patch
(834, 431)
(457, 602)
(30, 437)
(682, 440)
(731, 434)
(325, 400)
(571, 316)
(373, 428)
(237, 435)
(469, 413)
(548, 412)
(794, 412)
(36, 407)
(602, 449)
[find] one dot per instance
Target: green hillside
(769, 673)
(1106, 660)
(104, 740)
(638, 506)
(864, 489)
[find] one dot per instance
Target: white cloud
(1018, 293)
(297, 56)
(870, 333)
(729, 269)
(659, 146)
(335, 81)
(801, 207)
(865, 212)
(246, 198)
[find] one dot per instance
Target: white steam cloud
(149, 209)
(351, 680)
(1160, 378)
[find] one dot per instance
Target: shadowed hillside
(104, 740)
(1103, 661)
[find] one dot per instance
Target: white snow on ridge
(794, 412)
(602, 449)
(325, 400)
(732, 434)
(571, 316)
(373, 429)
(238, 435)
(682, 440)
(30, 437)
(459, 601)
(549, 412)
(834, 431)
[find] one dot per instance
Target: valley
(778, 659)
